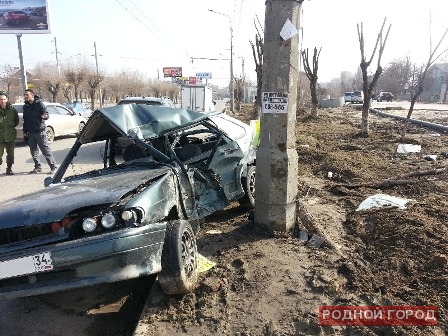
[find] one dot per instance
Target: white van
(354, 97)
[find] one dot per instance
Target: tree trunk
(407, 122)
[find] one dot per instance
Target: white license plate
(26, 265)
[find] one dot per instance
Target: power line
(149, 20)
(149, 29)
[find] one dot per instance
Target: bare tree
(93, 81)
(420, 79)
(238, 91)
(10, 79)
(346, 79)
(311, 74)
(257, 52)
(367, 88)
(67, 91)
(76, 76)
(50, 79)
(396, 76)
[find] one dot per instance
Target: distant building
(437, 84)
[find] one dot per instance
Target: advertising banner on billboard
(24, 16)
(192, 80)
(171, 71)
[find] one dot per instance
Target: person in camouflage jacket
(9, 119)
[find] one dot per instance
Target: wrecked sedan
(127, 216)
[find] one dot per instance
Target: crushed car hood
(142, 121)
(56, 201)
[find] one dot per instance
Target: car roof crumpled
(145, 121)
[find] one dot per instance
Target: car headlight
(127, 215)
(132, 217)
(108, 220)
(89, 224)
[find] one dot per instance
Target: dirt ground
(272, 283)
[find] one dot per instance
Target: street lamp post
(98, 75)
(231, 58)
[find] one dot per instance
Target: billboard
(171, 71)
(24, 16)
(192, 80)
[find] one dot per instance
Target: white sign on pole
(24, 16)
(288, 30)
(204, 75)
(274, 102)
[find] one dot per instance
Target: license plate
(37, 263)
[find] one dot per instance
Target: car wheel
(118, 150)
(80, 128)
(179, 272)
(248, 200)
(49, 132)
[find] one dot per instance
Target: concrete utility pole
(244, 79)
(57, 57)
(98, 74)
(277, 169)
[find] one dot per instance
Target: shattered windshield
(146, 121)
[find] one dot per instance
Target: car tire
(248, 200)
(118, 150)
(49, 132)
(80, 128)
(179, 272)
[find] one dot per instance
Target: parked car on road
(79, 108)
(62, 121)
(387, 96)
(354, 97)
(108, 221)
(163, 101)
(16, 17)
(348, 96)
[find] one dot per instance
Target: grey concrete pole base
(276, 187)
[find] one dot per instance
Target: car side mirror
(47, 181)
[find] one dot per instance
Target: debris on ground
(270, 284)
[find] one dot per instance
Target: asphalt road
(406, 104)
(108, 309)
(23, 182)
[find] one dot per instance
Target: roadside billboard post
(24, 17)
(277, 160)
(22, 67)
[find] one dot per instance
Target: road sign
(203, 75)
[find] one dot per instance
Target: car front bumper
(115, 256)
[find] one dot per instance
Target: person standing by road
(34, 116)
(9, 119)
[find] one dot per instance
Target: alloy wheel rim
(252, 184)
(188, 253)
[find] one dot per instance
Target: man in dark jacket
(9, 119)
(34, 116)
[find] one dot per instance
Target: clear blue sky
(148, 34)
